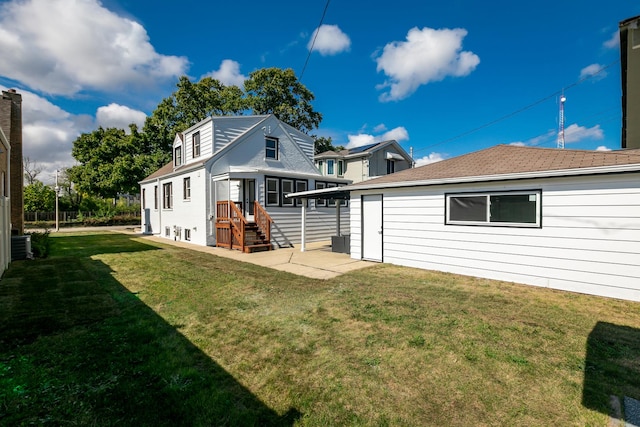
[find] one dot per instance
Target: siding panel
(589, 240)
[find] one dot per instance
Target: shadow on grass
(76, 347)
(612, 366)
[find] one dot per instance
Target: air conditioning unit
(21, 247)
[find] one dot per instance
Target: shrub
(40, 243)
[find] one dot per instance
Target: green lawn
(113, 329)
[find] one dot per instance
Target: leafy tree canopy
(323, 144)
(111, 162)
(39, 198)
(279, 92)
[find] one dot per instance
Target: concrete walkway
(317, 262)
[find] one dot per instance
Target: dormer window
(195, 142)
(177, 156)
(321, 167)
(271, 148)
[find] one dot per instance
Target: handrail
(229, 213)
(263, 219)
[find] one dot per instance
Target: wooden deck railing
(263, 219)
(230, 225)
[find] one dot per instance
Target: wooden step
(257, 247)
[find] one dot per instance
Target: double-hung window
(195, 144)
(287, 187)
(167, 196)
(510, 209)
(271, 148)
(273, 191)
(186, 188)
(340, 167)
(300, 187)
(177, 156)
(155, 197)
(320, 186)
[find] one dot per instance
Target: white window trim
(169, 198)
(195, 136)
(276, 149)
(488, 223)
(186, 190)
(287, 201)
(267, 192)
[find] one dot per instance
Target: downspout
(160, 200)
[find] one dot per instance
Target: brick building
(11, 124)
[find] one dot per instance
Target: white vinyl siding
(587, 242)
(320, 225)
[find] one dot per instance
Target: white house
(564, 219)
(365, 162)
(227, 182)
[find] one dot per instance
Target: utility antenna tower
(561, 124)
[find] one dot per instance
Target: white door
(372, 227)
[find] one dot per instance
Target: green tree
(323, 144)
(279, 92)
(39, 198)
(111, 162)
(189, 104)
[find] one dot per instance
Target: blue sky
(442, 78)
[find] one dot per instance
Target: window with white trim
(155, 197)
(271, 148)
(273, 191)
(187, 234)
(177, 156)
(320, 186)
(195, 144)
(300, 187)
(186, 188)
(321, 167)
(330, 164)
(167, 195)
(287, 187)
(340, 167)
(510, 209)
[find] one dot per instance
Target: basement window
(509, 209)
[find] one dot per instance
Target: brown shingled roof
(509, 159)
(168, 168)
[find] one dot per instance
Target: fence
(72, 216)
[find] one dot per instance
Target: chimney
(11, 124)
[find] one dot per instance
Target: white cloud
(603, 148)
(119, 116)
(329, 40)
(575, 133)
(538, 140)
(614, 41)
(66, 46)
(229, 73)
(594, 71)
(48, 133)
(399, 134)
(380, 128)
(431, 158)
(427, 55)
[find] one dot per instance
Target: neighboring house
(5, 203)
(366, 162)
(563, 219)
(630, 68)
(227, 182)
